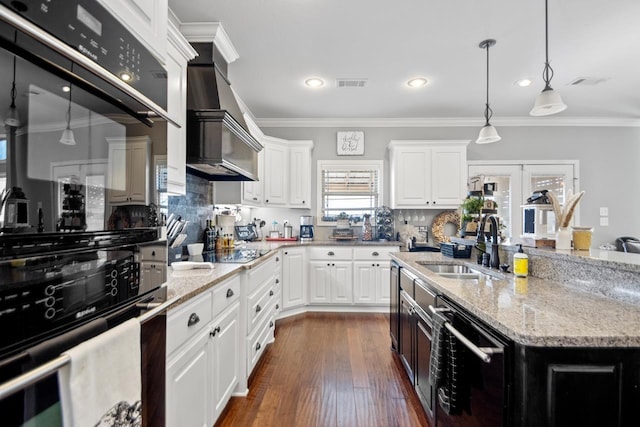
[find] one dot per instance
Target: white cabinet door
(225, 349)
(342, 282)
(300, 180)
(146, 19)
(128, 170)
(411, 177)
(294, 278)
(276, 174)
(177, 109)
(188, 402)
(365, 277)
(428, 174)
(320, 282)
(252, 190)
(448, 175)
(138, 181)
(383, 291)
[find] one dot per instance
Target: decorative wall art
(350, 143)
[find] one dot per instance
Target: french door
(516, 181)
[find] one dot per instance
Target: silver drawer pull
(258, 308)
(330, 253)
(375, 254)
(230, 293)
(193, 319)
(270, 293)
(271, 324)
(258, 346)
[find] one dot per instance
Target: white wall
(608, 156)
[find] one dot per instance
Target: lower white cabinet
(330, 282)
(203, 348)
(371, 282)
(294, 278)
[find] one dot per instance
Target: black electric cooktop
(239, 256)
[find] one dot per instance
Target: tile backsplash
(196, 207)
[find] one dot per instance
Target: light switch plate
(604, 211)
(604, 221)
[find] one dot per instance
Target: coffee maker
(306, 228)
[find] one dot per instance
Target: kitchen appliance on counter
(306, 228)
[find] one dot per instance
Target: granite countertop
(535, 311)
(185, 284)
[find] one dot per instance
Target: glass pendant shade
(547, 103)
(487, 135)
(67, 137)
(11, 117)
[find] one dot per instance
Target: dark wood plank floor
(328, 370)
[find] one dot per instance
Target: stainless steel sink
(458, 271)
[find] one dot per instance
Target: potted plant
(471, 208)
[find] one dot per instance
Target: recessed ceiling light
(523, 82)
(417, 82)
(125, 76)
(66, 88)
(314, 82)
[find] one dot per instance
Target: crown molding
(449, 122)
(179, 42)
(202, 32)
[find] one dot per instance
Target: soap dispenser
(520, 263)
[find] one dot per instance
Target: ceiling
(283, 42)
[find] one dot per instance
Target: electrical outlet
(604, 221)
(604, 211)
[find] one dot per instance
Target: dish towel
(437, 360)
(101, 386)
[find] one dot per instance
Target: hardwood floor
(326, 370)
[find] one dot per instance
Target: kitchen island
(570, 348)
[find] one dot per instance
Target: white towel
(101, 386)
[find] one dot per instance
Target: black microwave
(77, 90)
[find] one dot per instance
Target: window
(353, 187)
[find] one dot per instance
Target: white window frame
(345, 165)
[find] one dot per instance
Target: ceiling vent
(351, 83)
(587, 81)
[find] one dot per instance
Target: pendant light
(67, 137)
(549, 101)
(488, 133)
(12, 118)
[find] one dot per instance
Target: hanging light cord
(547, 74)
(488, 112)
(69, 110)
(14, 92)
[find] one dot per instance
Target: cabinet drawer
(328, 252)
(258, 342)
(186, 321)
(258, 306)
(156, 253)
(261, 274)
(376, 253)
(225, 294)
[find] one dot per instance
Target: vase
(367, 231)
(563, 239)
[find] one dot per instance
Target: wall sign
(350, 143)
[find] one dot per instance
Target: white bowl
(195, 248)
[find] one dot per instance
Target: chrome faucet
(494, 258)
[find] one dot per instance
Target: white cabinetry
(146, 19)
(371, 270)
(428, 174)
(294, 278)
(128, 170)
(263, 292)
(203, 354)
(276, 172)
(330, 276)
(179, 52)
(284, 173)
(153, 266)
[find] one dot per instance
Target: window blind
(354, 191)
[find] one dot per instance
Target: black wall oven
(74, 80)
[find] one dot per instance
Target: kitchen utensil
(188, 265)
(178, 240)
(195, 248)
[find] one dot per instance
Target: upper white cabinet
(284, 172)
(146, 19)
(428, 174)
(128, 170)
(179, 52)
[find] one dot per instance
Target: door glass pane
(502, 196)
(95, 185)
(554, 183)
